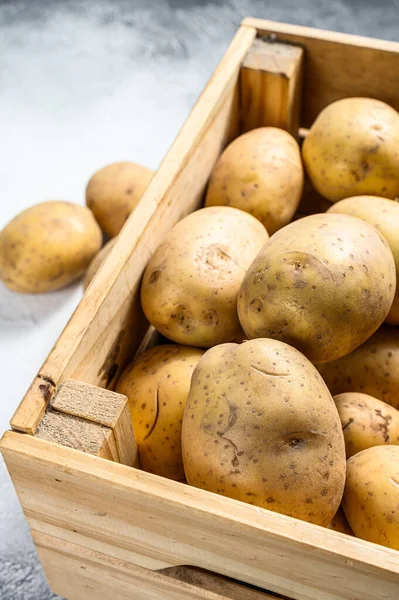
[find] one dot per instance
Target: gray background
(83, 84)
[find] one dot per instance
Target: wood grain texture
(338, 65)
(108, 325)
(271, 86)
(168, 521)
(90, 419)
(77, 433)
(81, 574)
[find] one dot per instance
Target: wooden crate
(104, 529)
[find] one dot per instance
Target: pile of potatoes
(278, 382)
(49, 245)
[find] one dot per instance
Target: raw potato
(383, 214)
(352, 149)
(189, 290)
(323, 284)
(260, 426)
(157, 384)
(97, 262)
(339, 523)
(373, 368)
(48, 246)
(366, 422)
(371, 498)
(260, 172)
(114, 191)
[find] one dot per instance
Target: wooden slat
(271, 86)
(82, 574)
(183, 525)
(338, 65)
(108, 324)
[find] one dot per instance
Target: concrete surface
(83, 84)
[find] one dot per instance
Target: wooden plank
(90, 419)
(338, 65)
(108, 325)
(271, 86)
(183, 525)
(222, 586)
(81, 574)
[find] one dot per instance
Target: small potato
(114, 191)
(339, 523)
(157, 384)
(97, 262)
(323, 284)
(371, 497)
(260, 172)
(373, 368)
(366, 422)
(189, 290)
(260, 426)
(352, 149)
(383, 214)
(48, 246)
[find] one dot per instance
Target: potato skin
(97, 261)
(366, 422)
(261, 173)
(339, 523)
(189, 290)
(323, 284)
(371, 495)
(351, 149)
(373, 368)
(114, 191)
(47, 246)
(383, 214)
(260, 426)
(157, 385)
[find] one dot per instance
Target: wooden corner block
(90, 419)
(271, 86)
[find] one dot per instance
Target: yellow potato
(339, 523)
(261, 426)
(373, 368)
(371, 497)
(48, 246)
(189, 290)
(352, 149)
(260, 172)
(114, 191)
(97, 261)
(366, 422)
(157, 384)
(383, 214)
(323, 284)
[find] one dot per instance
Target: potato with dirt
(372, 369)
(352, 149)
(97, 261)
(366, 422)
(114, 191)
(371, 497)
(322, 284)
(48, 246)
(340, 523)
(190, 286)
(157, 383)
(383, 214)
(261, 426)
(261, 173)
